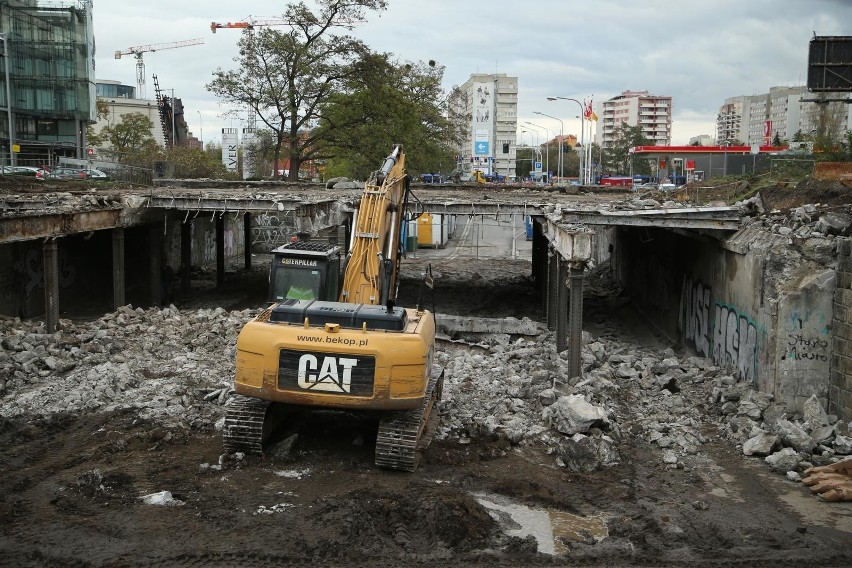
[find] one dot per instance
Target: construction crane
(249, 23)
(138, 50)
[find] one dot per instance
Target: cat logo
(333, 375)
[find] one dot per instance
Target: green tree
(130, 141)
(191, 163)
(618, 156)
(776, 140)
(102, 113)
(284, 77)
(386, 103)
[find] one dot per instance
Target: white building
(121, 100)
(653, 113)
(489, 107)
(783, 111)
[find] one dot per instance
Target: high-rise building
(783, 112)
(488, 105)
(653, 113)
(48, 73)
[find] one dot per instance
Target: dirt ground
(70, 490)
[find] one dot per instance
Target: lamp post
(583, 168)
(561, 139)
(200, 129)
(12, 158)
(547, 148)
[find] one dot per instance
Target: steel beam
(51, 284)
(562, 307)
(118, 294)
(575, 319)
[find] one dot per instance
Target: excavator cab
(304, 270)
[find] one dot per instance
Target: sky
(699, 52)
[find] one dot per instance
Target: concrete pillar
(220, 250)
(185, 257)
(155, 296)
(575, 319)
(118, 297)
(341, 239)
(51, 284)
(562, 307)
(247, 239)
(552, 294)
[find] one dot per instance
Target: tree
(192, 163)
(130, 141)
(386, 103)
(776, 140)
(284, 77)
(617, 155)
(101, 113)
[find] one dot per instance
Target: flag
(594, 116)
(587, 112)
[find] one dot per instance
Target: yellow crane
(138, 50)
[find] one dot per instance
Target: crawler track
(404, 435)
(243, 431)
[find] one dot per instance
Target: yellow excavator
(322, 343)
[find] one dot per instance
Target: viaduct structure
(708, 278)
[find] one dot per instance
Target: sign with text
(229, 149)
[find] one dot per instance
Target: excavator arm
(372, 268)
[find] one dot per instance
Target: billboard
(229, 149)
(483, 118)
(830, 64)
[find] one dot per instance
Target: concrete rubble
(175, 367)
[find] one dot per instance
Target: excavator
(342, 345)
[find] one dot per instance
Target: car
(28, 171)
(65, 173)
(96, 175)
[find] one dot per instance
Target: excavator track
(244, 425)
(404, 435)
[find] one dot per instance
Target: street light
(547, 148)
(12, 157)
(200, 129)
(561, 139)
(583, 168)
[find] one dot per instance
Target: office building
(48, 76)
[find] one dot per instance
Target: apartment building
(783, 112)
(488, 105)
(653, 113)
(48, 73)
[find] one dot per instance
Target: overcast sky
(699, 52)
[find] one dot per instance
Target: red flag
(587, 112)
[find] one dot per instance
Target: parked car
(66, 173)
(29, 171)
(96, 175)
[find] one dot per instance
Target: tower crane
(138, 50)
(249, 23)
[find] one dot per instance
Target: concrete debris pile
(176, 368)
(166, 365)
(810, 221)
(787, 441)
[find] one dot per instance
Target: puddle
(552, 530)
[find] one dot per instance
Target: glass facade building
(48, 73)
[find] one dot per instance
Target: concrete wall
(840, 383)
(768, 322)
(203, 237)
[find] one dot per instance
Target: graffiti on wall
(807, 344)
(271, 230)
(31, 268)
(717, 330)
(735, 342)
(694, 315)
